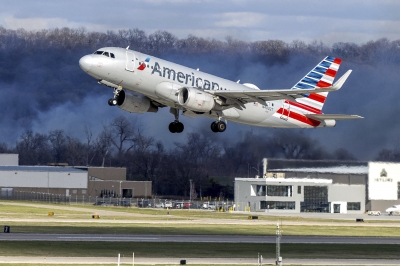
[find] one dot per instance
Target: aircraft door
(286, 110)
(130, 61)
(336, 208)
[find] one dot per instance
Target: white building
(295, 195)
(320, 186)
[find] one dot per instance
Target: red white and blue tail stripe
(321, 76)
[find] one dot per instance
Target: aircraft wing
(321, 117)
(261, 96)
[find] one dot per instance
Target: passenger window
(106, 54)
(112, 55)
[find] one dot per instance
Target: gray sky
(329, 21)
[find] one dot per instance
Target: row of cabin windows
(105, 54)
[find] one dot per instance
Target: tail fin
(321, 76)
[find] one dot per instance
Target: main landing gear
(176, 126)
(218, 126)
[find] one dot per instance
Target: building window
(315, 194)
(261, 190)
(83, 191)
(74, 191)
(315, 207)
(353, 206)
(298, 189)
(315, 199)
(279, 191)
(277, 205)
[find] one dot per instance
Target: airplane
(144, 83)
(395, 209)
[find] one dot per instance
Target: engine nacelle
(134, 103)
(196, 100)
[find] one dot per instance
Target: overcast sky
(329, 21)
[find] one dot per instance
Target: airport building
(68, 181)
(293, 186)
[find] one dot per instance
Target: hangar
(68, 181)
(320, 186)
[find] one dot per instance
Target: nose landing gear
(114, 101)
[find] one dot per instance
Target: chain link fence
(205, 204)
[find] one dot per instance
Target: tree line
(161, 42)
(211, 165)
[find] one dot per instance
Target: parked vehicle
(159, 205)
(144, 204)
(168, 204)
(101, 203)
(178, 205)
(208, 206)
(123, 203)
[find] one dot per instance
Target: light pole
(120, 189)
(248, 170)
(190, 192)
(258, 171)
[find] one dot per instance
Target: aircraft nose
(86, 62)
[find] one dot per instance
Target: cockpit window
(99, 52)
(106, 54)
(112, 55)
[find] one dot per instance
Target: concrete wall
(107, 173)
(7, 159)
(347, 193)
(381, 205)
(140, 189)
(43, 179)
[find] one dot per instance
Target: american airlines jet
(144, 83)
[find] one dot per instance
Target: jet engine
(196, 100)
(135, 103)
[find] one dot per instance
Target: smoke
(44, 89)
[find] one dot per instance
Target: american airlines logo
(188, 79)
(143, 64)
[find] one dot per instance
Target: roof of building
(316, 166)
(41, 169)
(287, 180)
(355, 170)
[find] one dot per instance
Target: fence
(216, 205)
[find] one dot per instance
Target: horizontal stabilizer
(322, 117)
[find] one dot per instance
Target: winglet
(338, 84)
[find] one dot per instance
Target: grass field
(197, 229)
(184, 225)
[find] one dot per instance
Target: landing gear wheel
(179, 127)
(172, 127)
(214, 127)
(176, 127)
(112, 102)
(221, 126)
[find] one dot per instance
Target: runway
(199, 238)
(176, 261)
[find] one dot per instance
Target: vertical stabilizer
(321, 76)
